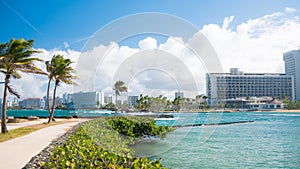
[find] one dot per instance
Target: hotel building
(236, 84)
(132, 101)
(179, 94)
(108, 99)
(32, 103)
(292, 68)
(88, 100)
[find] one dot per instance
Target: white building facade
(132, 101)
(179, 94)
(236, 84)
(88, 100)
(292, 68)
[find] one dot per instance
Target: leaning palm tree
(59, 70)
(118, 88)
(15, 57)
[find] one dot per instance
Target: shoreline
(162, 112)
(233, 111)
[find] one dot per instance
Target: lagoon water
(271, 141)
(58, 113)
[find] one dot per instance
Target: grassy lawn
(14, 133)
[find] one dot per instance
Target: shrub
(95, 144)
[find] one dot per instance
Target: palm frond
(59, 68)
(119, 87)
(13, 92)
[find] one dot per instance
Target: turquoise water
(58, 113)
(271, 141)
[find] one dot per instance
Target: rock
(166, 116)
(14, 120)
(32, 118)
(10, 117)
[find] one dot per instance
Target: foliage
(177, 103)
(143, 103)
(201, 99)
(138, 126)
(88, 148)
(161, 103)
(105, 136)
(15, 57)
(119, 87)
(110, 106)
(59, 70)
(292, 106)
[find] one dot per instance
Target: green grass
(16, 133)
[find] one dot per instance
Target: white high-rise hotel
(91, 100)
(222, 86)
(292, 68)
(237, 84)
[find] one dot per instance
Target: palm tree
(118, 88)
(177, 103)
(15, 57)
(59, 70)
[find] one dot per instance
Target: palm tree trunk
(116, 109)
(53, 104)
(3, 121)
(48, 96)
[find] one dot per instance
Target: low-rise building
(273, 105)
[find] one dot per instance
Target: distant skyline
(250, 35)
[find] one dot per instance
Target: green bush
(97, 145)
(136, 127)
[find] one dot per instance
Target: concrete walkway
(16, 153)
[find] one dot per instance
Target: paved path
(16, 153)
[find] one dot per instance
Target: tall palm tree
(15, 57)
(118, 88)
(59, 70)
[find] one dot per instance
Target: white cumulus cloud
(255, 45)
(148, 43)
(288, 9)
(227, 21)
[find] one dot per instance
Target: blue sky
(251, 35)
(51, 23)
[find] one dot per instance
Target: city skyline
(252, 41)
